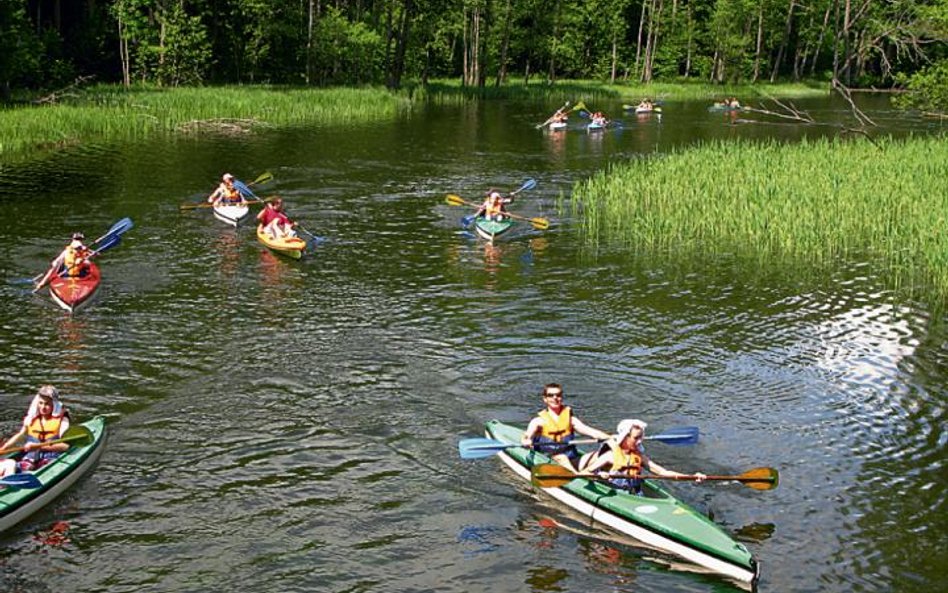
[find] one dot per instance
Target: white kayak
(230, 213)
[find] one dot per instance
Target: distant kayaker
(599, 119)
(646, 105)
(624, 454)
(226, 193)
(554, 427)
(274, 220)
(72, 261)
(494, 206)
(46, 420)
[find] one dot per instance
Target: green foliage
(344, 52)
(19, 48)
(186, 52)
(928, 89)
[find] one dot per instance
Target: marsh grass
(815, 202)
(444, 91)
(111, 112)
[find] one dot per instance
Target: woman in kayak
(494, 206)
(46, 420)
(274, 220)
(554, 427)
(625, 455)
(226, 193)
(72, 261)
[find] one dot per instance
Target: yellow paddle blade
(551, 475)
(761, 478)
(540, 224)
(455, 200)
(263, 178)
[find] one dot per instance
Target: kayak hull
(292, 247)
(558, 125)
(491, 229)
(56, 477)
(231, 213)
(72, 292)
(656, 519)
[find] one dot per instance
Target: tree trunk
(783, 44)
(502, 70)
(615, 55)
(819, 41)
(638, 39)
(760, 41)
(123, 54)
(309, 45)
(397, 67)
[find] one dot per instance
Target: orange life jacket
(41, 430)
(627, 463)
(557, 428)
(73, 255)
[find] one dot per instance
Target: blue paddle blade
(243, 189)
(121, 226)
(21, 481)
(109, 243)
(467, 220)
(584, 114)
(528, 184)
(678, 436)
(480, 448)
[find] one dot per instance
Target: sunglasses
(553, 395)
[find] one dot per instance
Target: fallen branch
(56, 95)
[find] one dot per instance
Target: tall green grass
(107, 112)
(814, 202)
(444, 91)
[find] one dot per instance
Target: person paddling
(555, 426)
(226, 193)
(624, 454)
(72, 261)
(494, 206)
(46, 420)
(274, 220)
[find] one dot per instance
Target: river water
(293, 426)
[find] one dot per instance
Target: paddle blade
(262, 178)
(455, 200)
(551, 475)
(678, 436)
(760, 478)
(466, 221)
(245, 191)
(78, 436)
(118, 229)
(584, 114)
(541, 224)
(480, 448)
(20, 481)
(108, 243)
(528, 184)
(579, 106)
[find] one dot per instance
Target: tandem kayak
(288, 246)
(16, 504)
(656, 519)
(71, 292)
(230, 213)
(490, 229)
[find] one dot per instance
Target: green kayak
(16, 504)
(657, 519)
(489, 229)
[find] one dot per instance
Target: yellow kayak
(288, 246)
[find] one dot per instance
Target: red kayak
(72, 292)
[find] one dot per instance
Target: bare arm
(12, 441)
(584, 429)
(661, 471)
(527, 439)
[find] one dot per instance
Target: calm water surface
(292, 426)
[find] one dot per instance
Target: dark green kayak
(657, 518)
(16, 504)
(490, 229)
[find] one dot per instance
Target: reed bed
(815, 202)
(445, 91)
(108, 112)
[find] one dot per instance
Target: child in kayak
(555, 426)
(46, 420)
(624, 454)
(72, 261)
(226, 193)
(274, 220)
(494, 206)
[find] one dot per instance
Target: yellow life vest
(627, 463)
(73, 255)
(41, 430)
(557, 428)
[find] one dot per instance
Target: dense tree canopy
(45, 43)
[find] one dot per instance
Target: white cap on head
(626, 426)
(228, 177)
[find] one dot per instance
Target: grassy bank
(814, 202)
(451, 91)
(107, 112)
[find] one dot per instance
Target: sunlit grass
(815, 202)
(111, 112)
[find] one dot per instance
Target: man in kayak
(46, 420)
(625, 455)
(494, 206)
(226, 193)
(554, 427)
(72, 261)
(274, 220)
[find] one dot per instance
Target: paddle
(79, 435)
(552, 117)
(528, 184)
(118, 229)
(539, 223)
(243, 188)
(478, 448)
(553, 475)
(21, 481)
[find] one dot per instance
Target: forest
(46, 44)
